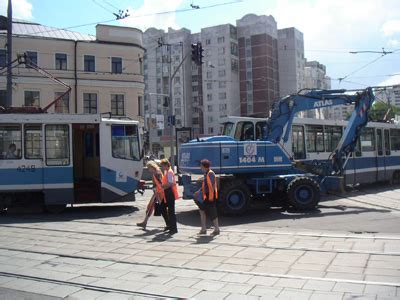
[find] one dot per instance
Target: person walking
(171, 194)
(158, 192)
(209, 193)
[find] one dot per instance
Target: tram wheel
(396, 178)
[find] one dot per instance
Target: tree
(380, 109)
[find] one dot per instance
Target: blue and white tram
(60, 159)
(377, 156)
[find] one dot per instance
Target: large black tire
(303, 193)
(234, 198)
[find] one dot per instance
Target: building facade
(103, 71)
(291, 61)
(258, 64)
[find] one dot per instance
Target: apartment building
(258, 64)
(104, 71)
(220, 74)
(164, 53)
(290, 60)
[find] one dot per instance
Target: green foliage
(380, 109)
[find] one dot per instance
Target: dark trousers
(168, 210)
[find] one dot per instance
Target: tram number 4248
(26, 168)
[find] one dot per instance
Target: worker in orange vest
(209, 193)
(171, 194)
(158, 192)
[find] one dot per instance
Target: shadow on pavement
(91, 212)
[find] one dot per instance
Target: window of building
(116, 65)
(210, 119)
(222, 96)
(195, 78)
(209, 85)
(221, 73)
(117, 105)
(195, 88)
(177, 79)
(234, 65)
(221, 61)
(10, 142)
(315, 138)
(33, 141)
(3, 58)
(125, 142)
(32, 98)
(210, 130)
(89, 63)
(248, 52)
(159, 132)
(209, 74)
(90, 103)
(208, 41)
(3, 98)
(234, 49)
(209, 97)
(221, 39)
(222, 84)
(61, 61)
(221, 50)
(223, 106)
(209, 108)
(32, 56)
(62, 105)
(57, 145)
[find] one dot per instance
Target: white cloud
(144, 17)
(394, 43)
(336, 24)
(391, 27)
(393, 80)
(21, 9)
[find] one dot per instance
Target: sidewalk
(113, 259)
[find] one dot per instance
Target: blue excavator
(263, 169)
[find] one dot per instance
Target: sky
(331, 29)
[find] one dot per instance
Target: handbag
(157, 209)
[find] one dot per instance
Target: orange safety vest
(212, 190)
(159, 189)
(174, 186)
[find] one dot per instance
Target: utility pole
(9, 55)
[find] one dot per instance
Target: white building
(291, 61)
(103, 71)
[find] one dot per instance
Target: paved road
(349, 247)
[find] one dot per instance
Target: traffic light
(194, 54)
(199, 54)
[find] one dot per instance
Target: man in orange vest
(210, 195)
(171, 194)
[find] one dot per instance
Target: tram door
(86, 162)
(381, 154)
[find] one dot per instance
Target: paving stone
(319, 285)
(237, 288)
(381, 278)
(115, 296)
(211, 275)
(326, 296)
(86, 295)
(347, 276)
(62, 291)
(352, 296)
(263, 280)
(380, 290)
(290, 283)
(295, 294)
(260, 290)
(207, 295)
(182, 292)
(208, 285)
(241, 297)
(239, 278)
(349, 287)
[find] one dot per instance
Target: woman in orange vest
(171, 194)
(158, 195)
(209, 193)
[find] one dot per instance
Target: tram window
(10, 141)
(57, 145)
(395, 139)
(260, 130)
(298, 147)
(379, 139)
(387, 142)
(367, 139)
(332, 136)
(125, 142)
(33, 141)
(315, 138)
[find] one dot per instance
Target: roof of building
(26, 28)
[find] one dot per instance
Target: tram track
(162, 238)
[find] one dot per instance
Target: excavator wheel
(303, 193)
(234, 198)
